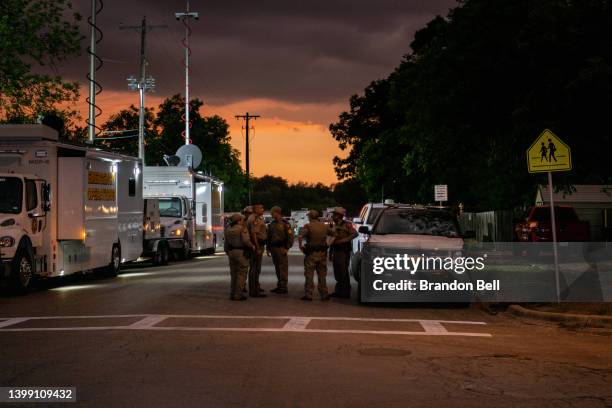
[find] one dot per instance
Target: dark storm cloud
(300, 51)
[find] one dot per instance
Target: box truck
(67, 208)
(191, 205)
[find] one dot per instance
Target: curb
(587, 320)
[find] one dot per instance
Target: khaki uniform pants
(281, 265)
(239, 267)
(254, 272)
(341, 261)
(316, 261)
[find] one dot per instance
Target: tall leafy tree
(35, 37)
(126, 121)
(476, 88)
(211, 135)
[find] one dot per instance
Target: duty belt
(277, 244)
(315, 248)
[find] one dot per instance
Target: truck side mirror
(364, 229)
(46, 197)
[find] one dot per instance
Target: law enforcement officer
(246, 212)
(236, 242)
(315, 234)
(280, 239)
(340, 252)
(259, 234)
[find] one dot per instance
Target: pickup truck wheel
(22, 271)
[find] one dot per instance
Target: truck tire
(114, 266)
(22, 271)
(213, 249)
(161, 255)
(185, 252)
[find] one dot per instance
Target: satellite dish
(190, 156)
(172, 160)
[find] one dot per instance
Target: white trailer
(65, 208)
(194, 225)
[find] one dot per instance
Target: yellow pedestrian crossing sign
(548, 153)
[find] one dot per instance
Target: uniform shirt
(315, 233)
(280, 234)
(343, 230)
(236, 236)
(257, 227)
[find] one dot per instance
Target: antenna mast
(184, 17)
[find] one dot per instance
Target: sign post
(547, 154)
(440, 193)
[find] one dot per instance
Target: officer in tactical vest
(236, 242)
(259, 235)
(340, 252)
(280, 239)
(315, 234)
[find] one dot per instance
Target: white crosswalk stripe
(293, 324)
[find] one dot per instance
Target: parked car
(299, 218)
(432, 232)
(537, 225)
(267, 217)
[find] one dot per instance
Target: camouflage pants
(281, 265)
(341, 261)
(239, 267)
(254, 272)
(316, 261)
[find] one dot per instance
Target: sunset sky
(294, 63)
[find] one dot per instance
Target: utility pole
(142, 84)
(185, 16)
(247, 117)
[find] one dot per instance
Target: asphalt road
(169, 336)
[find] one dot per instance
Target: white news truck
(191, 205)
(66, 208)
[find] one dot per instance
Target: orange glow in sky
(282, 144)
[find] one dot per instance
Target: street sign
(440, 192)
(548, 153)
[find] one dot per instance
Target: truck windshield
(416, 222)
(11, 193)
(170, 207)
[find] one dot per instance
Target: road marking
(294, 324)
(147, 322)
(14, 320)
(433, 327)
